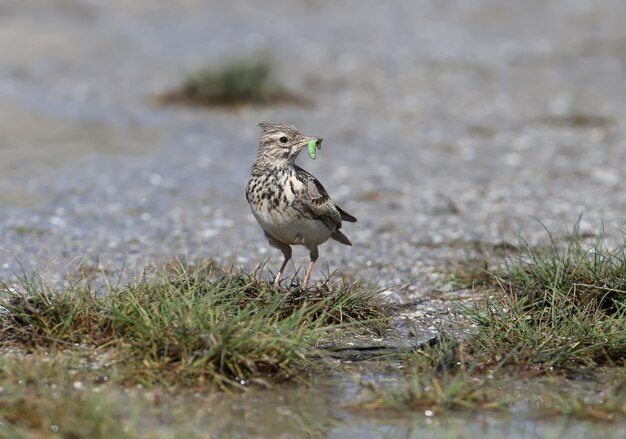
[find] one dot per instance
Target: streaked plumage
(291, 205)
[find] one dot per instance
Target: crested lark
(291, 206)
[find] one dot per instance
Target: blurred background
(450, 127)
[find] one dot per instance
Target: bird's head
(282, 143)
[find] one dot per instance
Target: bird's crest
(269, 127)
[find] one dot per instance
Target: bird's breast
(272, 200)
(291, 187)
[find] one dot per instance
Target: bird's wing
(346, 216)
(314, 200)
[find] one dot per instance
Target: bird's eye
(283, 139)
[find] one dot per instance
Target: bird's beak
(305, 141)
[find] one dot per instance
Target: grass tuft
(556, 307)
(189, 326)
(437, 380)
(557, 311)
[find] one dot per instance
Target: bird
(291, 205)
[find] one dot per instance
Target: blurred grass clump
(239, 81)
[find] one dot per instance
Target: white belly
(293, 231)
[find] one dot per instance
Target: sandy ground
(448, 126)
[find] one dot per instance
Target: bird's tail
(337, 235)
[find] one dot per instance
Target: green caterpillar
(313, 144)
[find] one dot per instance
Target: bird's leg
(287, 255)
(286, 249)
(314, 254)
